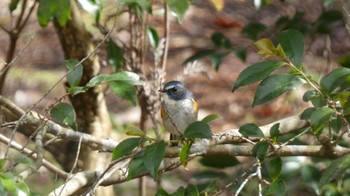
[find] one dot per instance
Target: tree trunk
(90, 107)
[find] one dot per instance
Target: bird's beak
(162, 91)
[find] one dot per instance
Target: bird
(178, 108)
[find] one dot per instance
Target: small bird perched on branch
(179, 108)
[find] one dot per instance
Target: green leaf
(64, 113)
(179, 7)
(336, 124)
(253, 29)
(221, 41)
(191, 190)
(115, 55)
(13, 5)
(225, 161)
(256, 72)
(310, 173)
(134, 131)
(199, 55)
(274, 167)
(327, 20)
(274, 132)
(22, 159)
(8, 182)
(126, 146)
(251, 130)
(318, 101)
(275, 85)
(198, 129)
(3, 164)
(335, 170)
(334, 79)
(125, 91)
(184, 153)
(344, 61)
(260, 149)
(308, 95)
(137, 166)
(217, 58)
(75, 72)
(154, 154)
(319, 118)
(60, 9)
(77, 90)
(210, 174)
(124, 76)
(153, 37)
(210, 118)
(277, 188)
(161, 192)
(306, 115)
(292, 42)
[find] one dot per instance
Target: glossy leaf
(154, 154)
(319, 118)
(292, 42)
(335, 170)
(251, 130)
(210, 118)
(184, 153)
(336, 124)
(8, 181)
(274, 86)
(253, 29)
(126, 146)
(124, 90)
(114, 55)
(75, 72)
(260, 149)
(64, 113)
(256, 72)
(274, 132)
(274, 167)
(161, 192)
(137, 166)
(318, 101)
(179, 7)
(134, 131)
(198, 129)
(129, 77)
(266, 48)
(308, 95)
(334, 79)
(225, 161)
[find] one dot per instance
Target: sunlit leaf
(184, 153)
(218, 4)
(251, 130)
(75, 72)
(125, 76)
(134, 131)
(124, 90)
(256, 72)
(198, 129)
(64, 113)
(126, 146)
(292, 42)
(274, 86)
(153, 156)
(266, 48)
(179, 7)
(260, 149)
